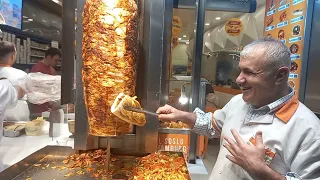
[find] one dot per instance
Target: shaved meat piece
(117, 109)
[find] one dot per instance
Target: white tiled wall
(179, 55)
(217, 39)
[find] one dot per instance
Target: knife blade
(133, 109)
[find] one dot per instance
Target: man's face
(256, 80)
(54, 60)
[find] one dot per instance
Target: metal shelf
(36, 56)
(25, 64)
(37, 48)
(173, 131)
(21, 34)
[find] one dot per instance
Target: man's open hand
(248, 157)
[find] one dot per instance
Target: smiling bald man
(266, 133)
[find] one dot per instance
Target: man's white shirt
(8, 99)
(21, 111)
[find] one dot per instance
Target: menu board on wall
(285, 20)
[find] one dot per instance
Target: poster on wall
(285, 20)
(176, 26)
(233, 27)
(176, 30)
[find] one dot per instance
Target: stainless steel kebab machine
(152, 86)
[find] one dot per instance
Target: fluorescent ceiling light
(179, 39)
(30, 19)
(209, 34)
(24, 16)
(207, 24)
(218, 18)
(184, 35)
(57, 2)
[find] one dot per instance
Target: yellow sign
(176, 26)
(233, 27)
(174, 42)
(176, 30)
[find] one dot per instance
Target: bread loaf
(109, 53)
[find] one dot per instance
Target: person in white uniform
(7, 58)
(9, 96)
(266, 133)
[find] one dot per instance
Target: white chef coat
(292, 133)
(21, 111)
(8, 99)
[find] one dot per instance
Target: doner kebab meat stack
(109, 53)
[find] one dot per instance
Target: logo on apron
(269, 153)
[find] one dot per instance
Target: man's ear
(13, 58)
(282, 75)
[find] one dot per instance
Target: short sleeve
(218, 118)
(34, 69)
(8, 95)
(220, 115)
(53, 71)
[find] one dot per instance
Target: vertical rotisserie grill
(109, 53)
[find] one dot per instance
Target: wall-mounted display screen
(10, 12)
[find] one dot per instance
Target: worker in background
(45, 66)
(266, 133)
(7, 58)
